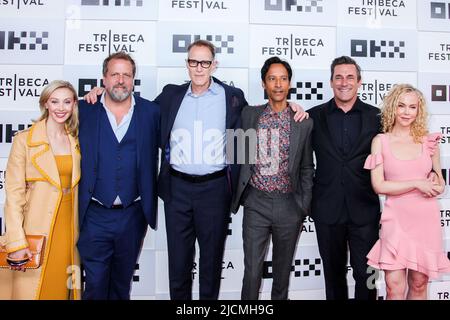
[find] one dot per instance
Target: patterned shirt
(270, 172)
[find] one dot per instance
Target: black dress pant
(109, 244)
(197, 211)
(335, 241)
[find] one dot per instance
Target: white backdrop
(394, 41)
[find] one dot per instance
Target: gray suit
(276, 213)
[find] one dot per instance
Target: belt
(198, 178)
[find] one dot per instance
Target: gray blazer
(301, 166)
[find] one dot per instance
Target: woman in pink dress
(410, 247)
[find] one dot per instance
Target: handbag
(36, 244)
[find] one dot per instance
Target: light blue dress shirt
(119, 129)
(197, 139)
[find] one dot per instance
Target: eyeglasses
(194, 63)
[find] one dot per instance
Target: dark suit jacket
(339, 178)
(147, 126)
(170, 101)
(301, 166)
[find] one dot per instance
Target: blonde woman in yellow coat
(42, 178)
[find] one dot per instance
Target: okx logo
(223, 43)
(308, 90)
(446, 176)
(440, 10)
(115, 3)
(440, 93)
(8, 130)
(229, 230)
(86, 84)
(301, 268)
(304, 91)
(2, 185)
(136, 276)
(380, 49)
(307, 267)
(293, 5)
(23, 40)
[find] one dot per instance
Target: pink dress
(410, 234)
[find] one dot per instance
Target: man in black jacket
(345, 209)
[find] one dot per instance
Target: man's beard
(119, 96)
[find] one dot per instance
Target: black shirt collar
(332, 106)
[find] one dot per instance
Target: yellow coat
(33, 195)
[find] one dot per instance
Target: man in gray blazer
(275, 181)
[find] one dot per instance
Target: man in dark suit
(117, 194)
(275, 181)
(196, 181)
(345, 209)
(199, 169)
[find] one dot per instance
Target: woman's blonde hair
(389, 108)
(72, 121)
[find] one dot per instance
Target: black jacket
(342, 179)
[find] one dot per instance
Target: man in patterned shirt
(275, 181)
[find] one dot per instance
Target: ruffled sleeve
(373, 160)
(432, 141)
